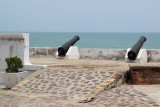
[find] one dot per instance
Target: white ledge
(11, 36)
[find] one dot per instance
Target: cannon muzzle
(64, 48)
(132, 54)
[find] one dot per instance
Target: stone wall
(91, 53)
(153, 55)
(108, 54)
(42, 52)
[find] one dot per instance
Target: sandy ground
(82, 64)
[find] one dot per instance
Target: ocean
(94, 40)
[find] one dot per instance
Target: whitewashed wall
(91, 53)
(14, 45)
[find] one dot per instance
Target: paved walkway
(122, 96)
(76, 83)
(64, 85)
(152, 91)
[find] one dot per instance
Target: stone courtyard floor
(77, 83)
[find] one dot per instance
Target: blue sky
(80, 16)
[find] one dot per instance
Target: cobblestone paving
(65, 84)
(122, 96)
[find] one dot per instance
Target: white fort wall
(91, 53)
(11, 45)
(16, 44)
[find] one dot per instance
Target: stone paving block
(122, 96)
(64, 84)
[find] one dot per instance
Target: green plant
(13, 64)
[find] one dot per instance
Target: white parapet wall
(104, 54)
(15, 44)
(153, 55)
(92, 53)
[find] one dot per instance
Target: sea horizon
(104, 40)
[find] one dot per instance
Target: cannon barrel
(64, 48)
(132, 54)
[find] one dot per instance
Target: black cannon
(64, 48)
(132, 54)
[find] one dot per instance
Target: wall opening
(11, 51)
